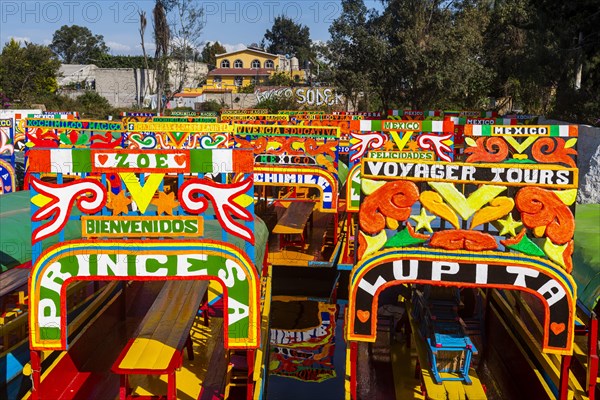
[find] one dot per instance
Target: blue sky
(233, 23)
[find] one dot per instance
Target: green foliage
(536, 48)
(209, 53)
(288, 37)
(92, 105)
(247, 89)
(77, 45)
(27, 72)
(184, 53)
(212, 105)
(110, 61)
(278, 102)
(539, 56)
(414, 53)
(280, 79)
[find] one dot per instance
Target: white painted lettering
(440, 267)
(398, 268)
(554, 289)
(371, 289)
(521, 273)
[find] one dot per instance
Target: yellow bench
(157, 346)
(293, 222)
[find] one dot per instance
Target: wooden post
(592, 357)
(353, 369)
(123, 387)
(250, 387)
(346, 257)
(563, 386)
(36, 370)
(172, 386)
(335, 226)
(486, 319)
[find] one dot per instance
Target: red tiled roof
(216, 90)
(242, 71)
(187, 94)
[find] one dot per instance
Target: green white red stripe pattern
(543, 130)
(74, 161)
(426, 126)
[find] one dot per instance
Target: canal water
(307, 352)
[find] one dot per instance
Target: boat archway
(537, 276)
(149, 260)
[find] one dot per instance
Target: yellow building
(250, 66)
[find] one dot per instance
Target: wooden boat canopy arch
(123, 193)
(504, 218)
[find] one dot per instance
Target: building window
(253, 81)
(225, 64)
(269, 64)
(255, 64)
(238, 81)
(217, 79)
(238, 64)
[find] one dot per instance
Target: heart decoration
(363, 315)
(557, 328)
(180, 159)
(102, 158)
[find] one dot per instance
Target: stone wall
(233, 101)
(121, 86)
(588, 162)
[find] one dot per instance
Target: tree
(572, 34)
(77, 45)
(176, 44)
(412, 53)
(93, 105)
(143, 24)
(27, 72)
(280, 78)
(186, 25)
(276, 103)
(162, 35)
(350, 51)
(439, 51)
(209, 54)
(110, 61)
(288, 37)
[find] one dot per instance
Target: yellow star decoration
(118, 203)
(423, 220)
(165, 203)
(412, 146)
(389, 145)
(509, 225)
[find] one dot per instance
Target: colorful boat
(420, 279)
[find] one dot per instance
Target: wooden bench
(13, 298)
(157, 345)
(294, 222)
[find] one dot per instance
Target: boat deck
(300, 251)
(84, 372)
(194, 375)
